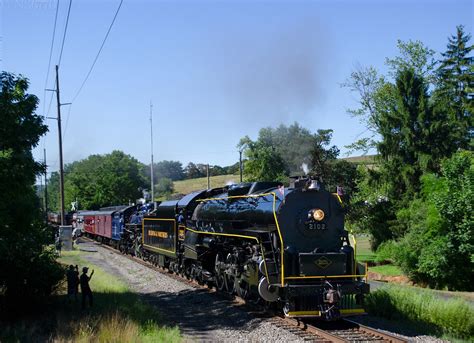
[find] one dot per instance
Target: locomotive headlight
(318, 214)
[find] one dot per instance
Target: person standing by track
(85, 288)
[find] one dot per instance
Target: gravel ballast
(200, 314)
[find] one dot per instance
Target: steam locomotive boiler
(283, 246)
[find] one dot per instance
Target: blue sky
(214, 70)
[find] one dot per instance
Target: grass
(364, 253)
(453, 318)
(118, 315)
(387, 270)
(367, 159)
(188, 186)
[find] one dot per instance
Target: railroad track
(341, 331)
(310, 330)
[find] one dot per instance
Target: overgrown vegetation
(28, 272)
(118, 315)
(419, 198)
(440, 316)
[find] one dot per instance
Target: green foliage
(386, 252)
(414, 55)
(417, 116)
(28, 270)
(455, 82)
(438, 249)
(170, 169)
(100, 180)
(263, 163)
(164, 187)
(323, 154)
(193, 171)
(293, 143)
(284, 150)
(453, 316)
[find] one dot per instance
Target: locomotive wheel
(229, 283)
(220, 282)
(242, 289)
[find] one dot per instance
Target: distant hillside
(367, 159)
(187, 186)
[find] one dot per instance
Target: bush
(438, 248)
(386, 252)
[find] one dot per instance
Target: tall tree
(28, 270)
(454, 93)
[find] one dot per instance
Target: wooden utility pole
(208, 177)
(61, 167)
(45, 186)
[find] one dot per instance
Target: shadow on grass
(114, 317)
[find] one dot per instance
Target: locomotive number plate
(316, 226)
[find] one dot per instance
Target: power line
(93, 64)
(65, 31)
(98, 53)
(50, 56)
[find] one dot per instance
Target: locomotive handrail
(238, 197)
(325, 276)
(222, 234)
(355, 251)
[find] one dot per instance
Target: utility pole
(45, 185)
(151, 166)
(61, 168)
(60, 135)
(208, 177)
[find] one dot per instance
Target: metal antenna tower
(151, 165)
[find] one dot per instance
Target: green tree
(99, 180)
(192, 171)
(323, 154)
(439, 247)
(455, 86)
(28, 269)
(164, 187)
(170, 169)
(263, 162)
(293, 143)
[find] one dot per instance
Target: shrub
(438, 248)
(386, 252)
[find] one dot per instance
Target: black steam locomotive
(286, 247)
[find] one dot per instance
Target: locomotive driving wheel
(242, 289)
(220, 277)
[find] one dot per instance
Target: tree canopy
(100, 180)
(28, 269)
